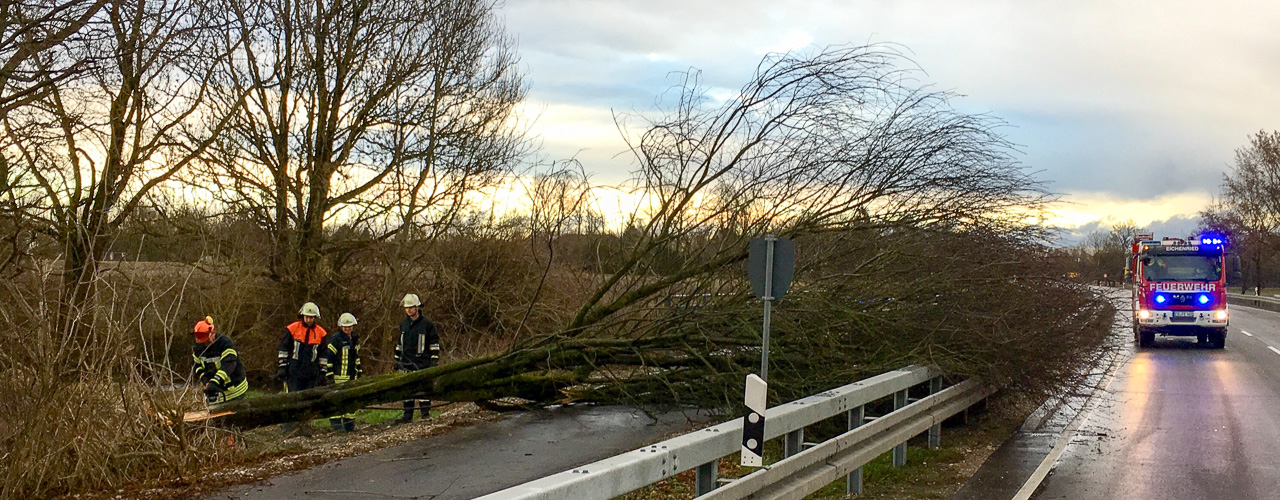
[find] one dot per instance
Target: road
(1178, 421)
(478, 460)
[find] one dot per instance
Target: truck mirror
(1235, 275)
(1234, 263)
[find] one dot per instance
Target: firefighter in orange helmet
(217, 364)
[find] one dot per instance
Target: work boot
(336, 423)
(409, 405)
(348, 425)
(424, 408)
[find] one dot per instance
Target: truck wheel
(1146, 338)
(1218, 339)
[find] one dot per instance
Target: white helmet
(347, 319)
(310, 309)
(410, 300)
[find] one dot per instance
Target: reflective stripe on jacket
(300, 350)
(340, 357)
(219, 363)
(419, 345)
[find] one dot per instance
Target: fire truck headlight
(1161, 298)
(1221, 315)
(1144, 314)
(1203, 298)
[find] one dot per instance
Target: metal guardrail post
(935, 432)
(794, 443)
(900, 451)
(705, 478)
(853, 482)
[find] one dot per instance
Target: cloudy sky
(1129, 110)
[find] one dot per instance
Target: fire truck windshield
(1182, 268)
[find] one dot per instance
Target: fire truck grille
(1182, 299)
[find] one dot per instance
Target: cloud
(1178, 226)
(1111, 102)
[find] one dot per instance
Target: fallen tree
(911, 220)
(986, 310)
(542, 373)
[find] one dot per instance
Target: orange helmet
(204, 329)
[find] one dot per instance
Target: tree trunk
(79, 270)
(544, 373)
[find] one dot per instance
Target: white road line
(1046, 465)
(1273, 349)
(1246, 333)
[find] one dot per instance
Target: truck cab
(1179, 289)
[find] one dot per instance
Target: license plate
(1184, 314)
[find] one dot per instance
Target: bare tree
(1107, 249)
(380, 115)
(97, 144)
(557, 199)
(1251, 200)
(28, 31)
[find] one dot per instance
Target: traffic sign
(771, 253)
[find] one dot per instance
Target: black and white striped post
(753, 422)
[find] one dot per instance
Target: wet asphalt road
(1182, 422)
(477, 460)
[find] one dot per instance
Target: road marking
(1273, 349)
(1246, 333)
(1050, 460)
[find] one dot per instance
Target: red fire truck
(1179, 288)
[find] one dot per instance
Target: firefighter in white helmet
(340, 363)
(418, 348)
(299, 357)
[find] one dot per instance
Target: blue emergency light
(1161, 298)
(1212, 239)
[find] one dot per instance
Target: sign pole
(761, 267)
(770, 241)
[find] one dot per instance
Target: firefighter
(218, 364)
(298, 361)
(419, 348)
(340, 363)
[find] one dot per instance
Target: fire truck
(1179, 289)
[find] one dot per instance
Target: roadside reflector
(753, 422)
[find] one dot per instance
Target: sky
(1127, 110)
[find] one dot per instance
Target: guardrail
(1258, 301)
(702, 449)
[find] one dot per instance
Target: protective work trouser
(422, 405)
(345, 422)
